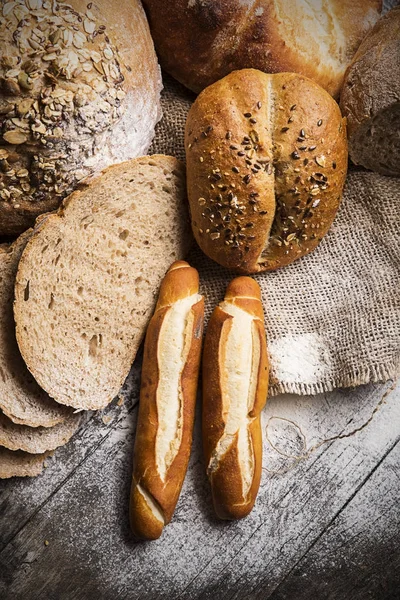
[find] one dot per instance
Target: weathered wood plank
(358, 557)
(90, 552)
(21, 498)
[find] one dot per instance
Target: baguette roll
(167, 401)
(235, 385)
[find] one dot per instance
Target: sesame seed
(295, 155)
(228, 135)
(253, 120)
(311, 148)
(201, 159)
(235, 169)
(259, 104)
(302, 133)
(284, 129)
(246, 179)
(319, 123)
(290, 120)
(247, 115)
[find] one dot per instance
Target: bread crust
(20, 464)
(226, 478)
(201, 41)
(180, 282)
(84, 95)
(266, 165)
(370, 98)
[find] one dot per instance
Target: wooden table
(326, 523)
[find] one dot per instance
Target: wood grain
(310, 501)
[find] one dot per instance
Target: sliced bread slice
(88, 279)
(21, 399)
(36, 439)
(20, 464)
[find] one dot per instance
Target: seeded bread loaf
(21, 399)
(200, 41)
(36, 440)
(370, 98)
(20, 464)
(168, 390)
(88, 279)
(235, 386)
(79, 90)
(266, 164)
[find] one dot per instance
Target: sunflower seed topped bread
(200, 41)
(235, 385)
(79, 90)
(370, 98)
(170, 369)
(266, 164)
(88, 278)
(36, 440)
(20, 464)
(21, 399)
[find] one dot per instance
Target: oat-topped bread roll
(88, 278)
(235, 385)
(370, 98)
(79, 90)
(266, 164)
(170, 370)
(200, 41)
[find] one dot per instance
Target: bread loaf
(88, 278)
(79, 90)
(266, 164)
(21, 399)
(370, 98)
(167, 401)
(235, 385)
(201, 41)
(20, 464)
(36, 440)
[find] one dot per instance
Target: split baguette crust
(226, 477)
(154, 497)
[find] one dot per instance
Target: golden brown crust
(201, 41)
(226, 479)
(69, 75)
(180, 282)
(266, 165)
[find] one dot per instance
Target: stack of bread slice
(76, 293)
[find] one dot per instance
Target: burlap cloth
(333, 317)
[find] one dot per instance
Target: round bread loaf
(266, 164)
(370, 98)
(200, 41)
(79, 90)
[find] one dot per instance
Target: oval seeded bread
(20, 464)
(79, 90)
(36, 440)
(88, 278)
(21, 399)
(266, 164)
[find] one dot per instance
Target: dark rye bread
(20, 464)
(88, 280)
(36, 440)
(21, 399)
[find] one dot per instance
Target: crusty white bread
(36, 440)
(266, 165)
(235, 385)
(79, 90)
(21, 399)
(370, 98)
(20, 464)
(201, 41)
(88, 278)
(167, 401)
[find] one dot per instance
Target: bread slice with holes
(21, 399)
(36, 440)
(20, 464)
(88, 279)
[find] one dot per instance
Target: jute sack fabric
(333, 317)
